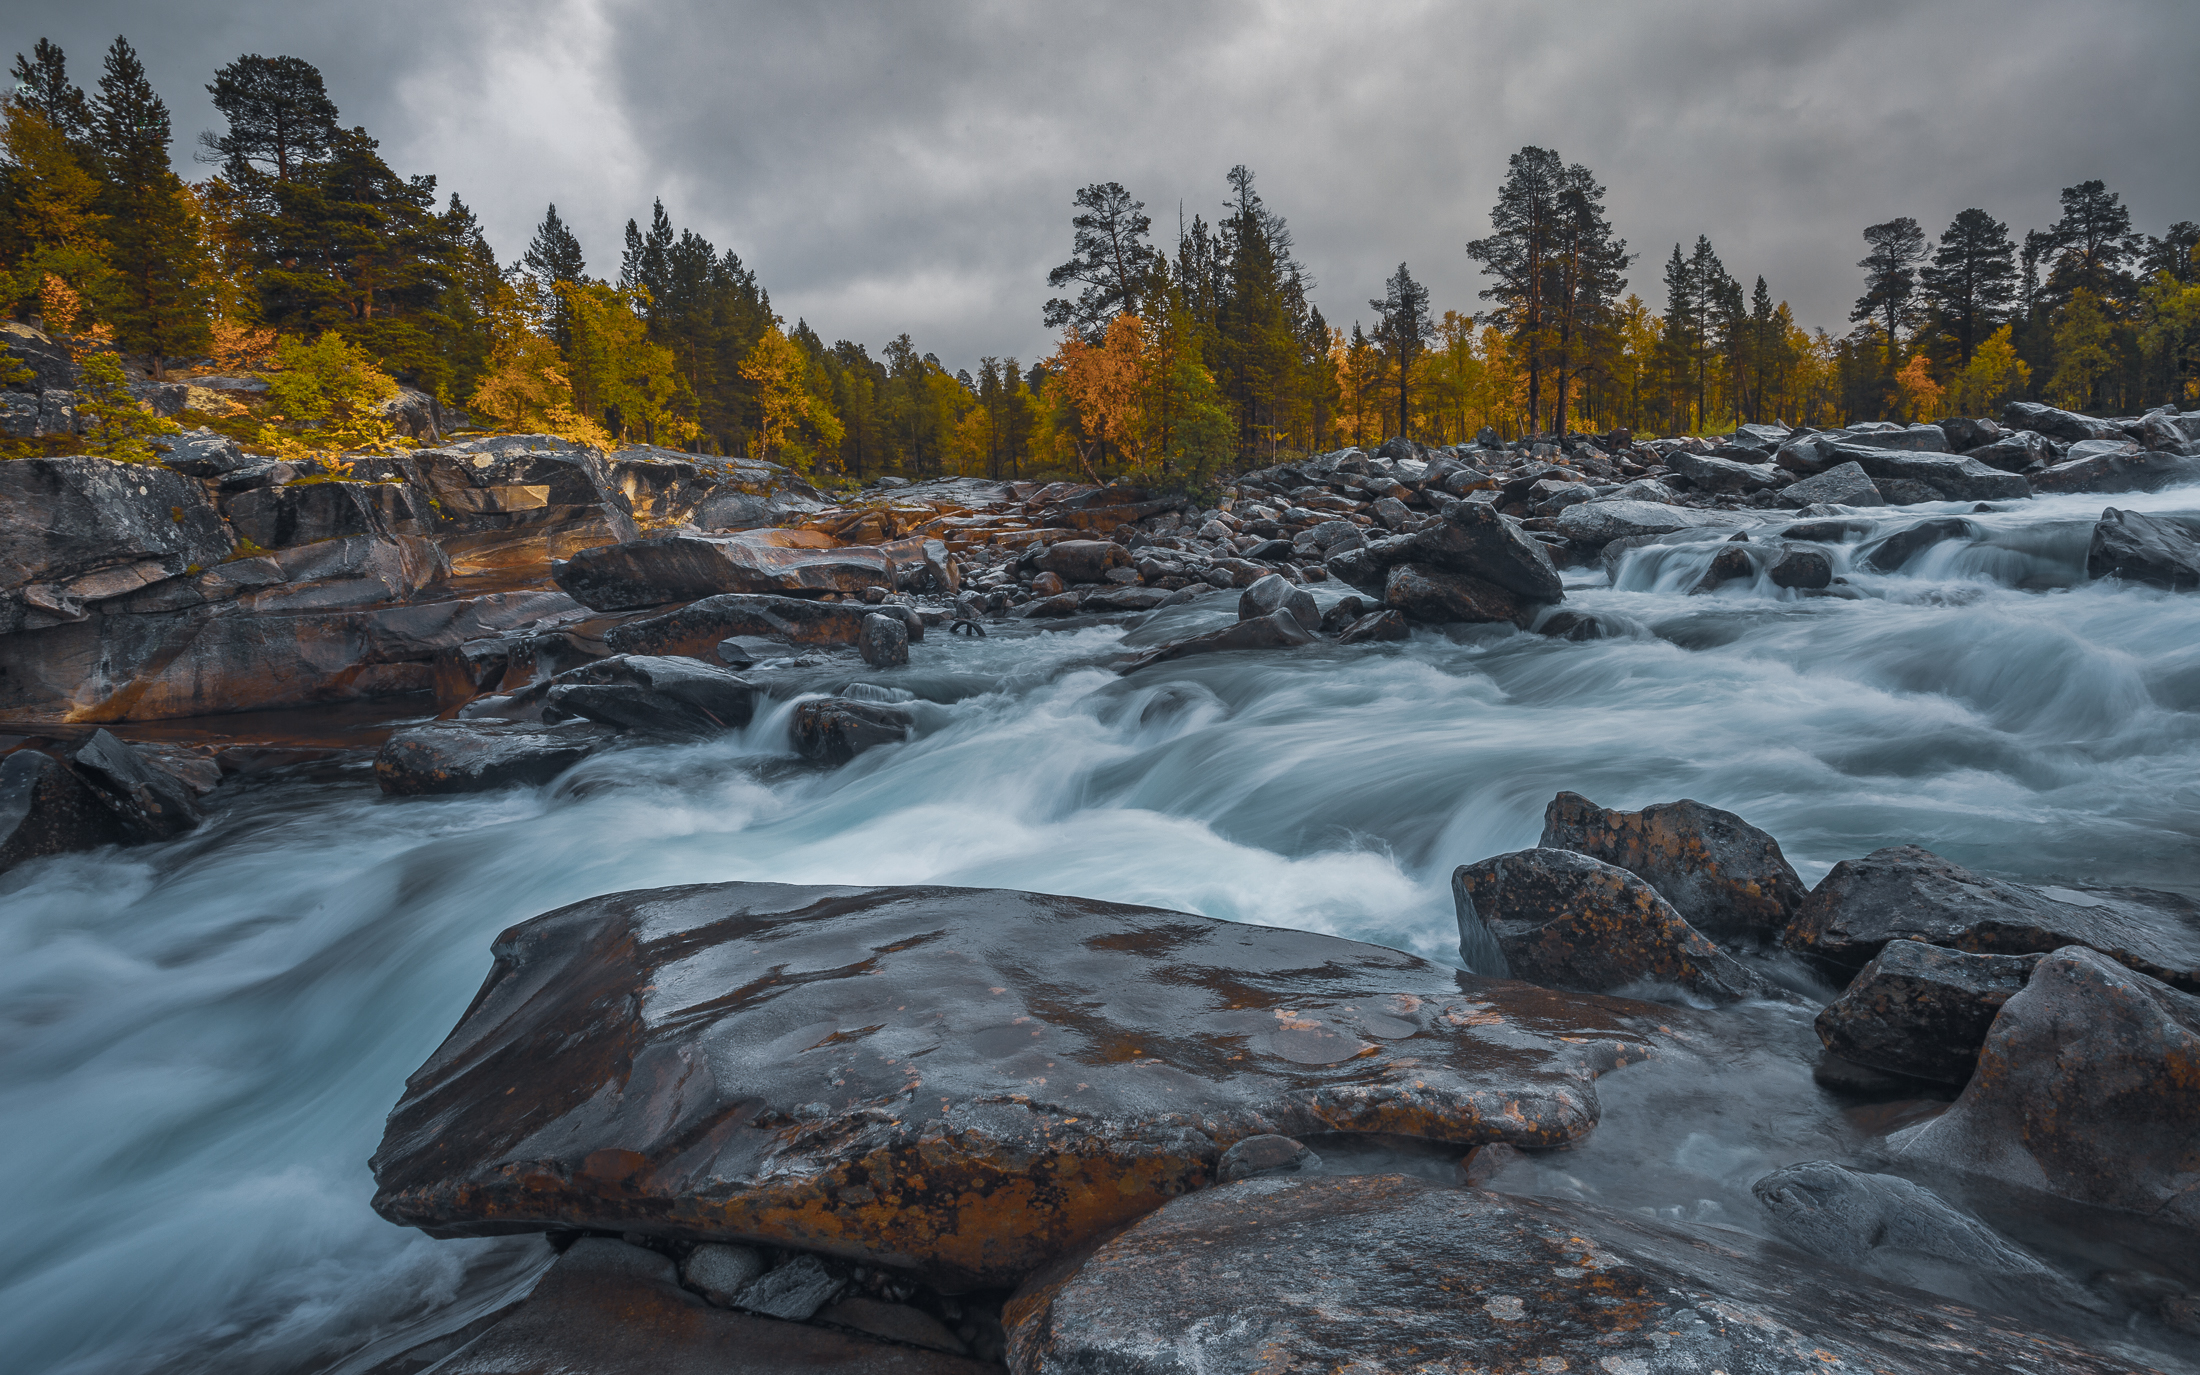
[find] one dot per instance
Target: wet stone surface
(963, 1083)
(1386, 1273)
(1922, 1010)
(1725, 876)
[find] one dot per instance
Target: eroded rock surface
(1906, 892)
(1566, 920)
(1725, 876)
(1291, 1276)
(963, 1082)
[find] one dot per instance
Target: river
(199, 1040)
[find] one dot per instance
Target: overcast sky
(908, 166)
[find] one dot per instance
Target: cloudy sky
(908, 166)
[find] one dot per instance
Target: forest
(303, 258)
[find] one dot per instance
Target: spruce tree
(160, 306)
(1587, 266)
(1890, 284)
(1517, 254)
(1109, 257)
(2094, 245)
(42, 85)
(555, 256)
(1972, 279)
(1403, 332)
(2176, 253)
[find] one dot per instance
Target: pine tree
(1109, 256)
(1972, 280)
(280, 119)
(2176, 253)
(160, 303)
(42, 86)
(1261, 300)
(1586, 265)
(555, 256)
(1517, 254)
(1890, 285)
(1403, 332)
(2093, 246)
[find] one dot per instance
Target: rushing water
(199, 1040)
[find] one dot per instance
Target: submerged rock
(610, 1308)
(1297, 1276)
(1885, 1224)
(1280, 629)
(1905, 892)
(1566, 920)
(1921, 1010)
(2087, 1088)
(960, 1082)
(835, 730)
(1725, 876)
(477, 756)
(2145, 549)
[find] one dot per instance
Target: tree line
(303, 252)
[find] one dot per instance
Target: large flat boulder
(1725, 876)
(1906, 892)
(1593, 524)
(2120, 468)
(2056, 423)
(2087, 1088)
(697, 628)
(1954, 478)
(663, 694)
(1566, 920)
(680, 568)
(961, 1082)
(1293, 1276)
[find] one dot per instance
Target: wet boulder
(1310, 1276)
(679, 568)
(661, 693)
(1905, 892)
(1275, 593)
(964, 1083)
(2066, 426)
(1437, 596)
(2154, 550)
(1712, 473)
(1724, 876)
(695, 630)
(1921, 1010)
(1474, 540)
(1953, 478)
(1965, 434)
(1843, 484)
(1800, 568)
(1593, 524)
(1280, 629)
(1083, 560)
(1375, 625)
(46, 809)
(2117, 467)
(884, 641)
(2087, 1088)
(2017, 451)
(1566, 920)
(149, 803)
(834, 730)
(1886, 1225)
(611, 1308)
(1894, 552)
(479, 756)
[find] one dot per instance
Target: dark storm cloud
(894, 167)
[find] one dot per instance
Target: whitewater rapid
(199, 1040)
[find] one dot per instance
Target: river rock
(1380, 1273)
(678, 568)
(963, 1083)
(884, 641)
(2087, 1088)
(1473, 539)
(2016, 451)
(835, 730)
(1966, 434)
(1884, 1224)
(1905, 892)
(1435, 596)
(477, 756)
(1952, 477)
(1921, 1010)
(1565, 920)
(1275, 593)
(2122, 468)
(1843, 484)
(610, 1308)
(45, 809)
(1375, 625)
(2066, 426)
(1896, 550)
(2154, 550)
(696, 629)
(1083, 560)
(1712, 473)
(1280, 629)
(1593, 524)
(148, 803)
(1804, 569)
(720, 1272)
(1265, 1155)
(1724, 876)
(665, 693)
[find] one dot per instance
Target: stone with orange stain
(1309, 1276)
(961, 1082)
(1569, 921)
(2087, 1088)
(1725, 876)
